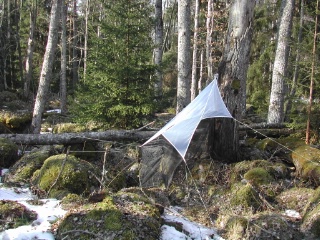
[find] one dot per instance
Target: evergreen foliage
(120, 74)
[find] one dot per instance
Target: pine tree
(119, 79)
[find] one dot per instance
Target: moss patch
(8, 153)
(294, 198)
(245, 196)
(13, 215)
(76, 177)
(23, 169)
(307, 162)
(123, 215)
(258, 176)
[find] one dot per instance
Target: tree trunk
(75, 61)
(288, 104)
(63, 74)
(86, 33)
(30, 48)
(276, 105)
(72, 138)
(312, 74)
(195, 51)
(46, 71)
(158, 40)
(209, 26)
(184, 62)
(232, 78)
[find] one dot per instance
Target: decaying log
(72, 138)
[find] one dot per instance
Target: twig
(62, 167)
(143, 127)
(81, 231)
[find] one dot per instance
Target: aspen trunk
(184, 62)
(232, 78)
(195, 51)
(46, 71)
(276, 105)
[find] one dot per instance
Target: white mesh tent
(180, 130)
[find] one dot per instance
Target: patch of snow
(54, 111)
(50, 211)
(292, 213)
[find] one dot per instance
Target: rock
(8, 153)
(77, 176)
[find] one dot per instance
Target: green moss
(311, 221)
(14, 214)
(307, 162)
(240, 168)
(235, 227)
(245, 196)
(76, 176)
(23, 170)
(258, 176)
(69, 127)
(8, 152)
(295, 198)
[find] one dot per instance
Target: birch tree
(184, 60)
(46, 71)
(276, 104)
(232, 78)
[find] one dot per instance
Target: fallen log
(73, 138)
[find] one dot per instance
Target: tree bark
(158, 40)
(46, 71)
(195, 51)
(232, 78)
(312, 74)
(86, 34)
(75, 60)
(63, 74)
(276, 105)
(209, 25)
(72, 138)
(30, 48)
(184, 61)
(288, 104)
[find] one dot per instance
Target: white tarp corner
(179, 131)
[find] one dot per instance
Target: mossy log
(71, 138)
(307, 162)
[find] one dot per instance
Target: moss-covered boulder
(23, 169)
(123, 215)
(17, 121)
(294, 198)
(245, 196)
(276, 170)
(14, 214)
(8, 153)
(268, 225)
(307, 162)
(311, 215)
(257, 176)
(235, 227)
(66, 174)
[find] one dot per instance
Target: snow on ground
(50, 210)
